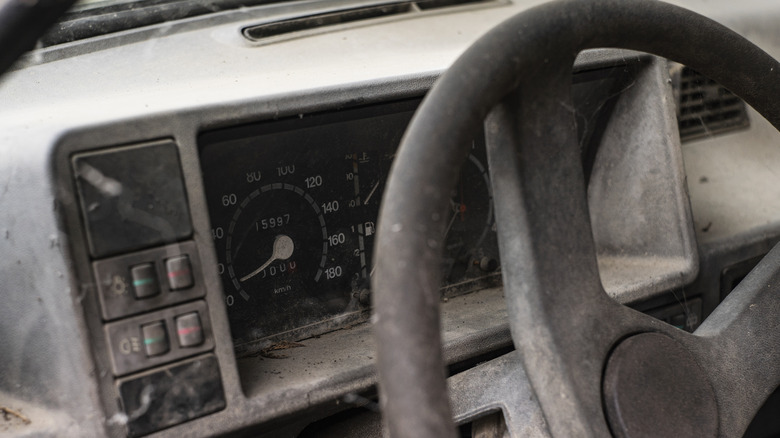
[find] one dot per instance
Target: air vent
(351, 15)
(704, 107)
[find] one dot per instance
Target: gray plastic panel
(638, 202)
(172, 395)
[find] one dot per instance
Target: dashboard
(188, 212)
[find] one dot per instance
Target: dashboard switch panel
(132, 197)
(172, 395)
(159, 337)
(129, 284)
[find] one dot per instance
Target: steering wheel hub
(654, 387)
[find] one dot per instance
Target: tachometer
(470, 224)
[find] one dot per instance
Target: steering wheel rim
(568, 352)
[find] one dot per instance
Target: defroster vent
(322, 22)
(704, 107)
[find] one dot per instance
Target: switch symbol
(129, 345)
(119, 285)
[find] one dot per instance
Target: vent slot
(325, 20)
(704, 107)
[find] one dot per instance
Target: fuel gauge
(368, 171)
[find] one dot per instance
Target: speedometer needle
(283, 249)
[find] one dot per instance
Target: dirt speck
(9, 415)
(284, 345)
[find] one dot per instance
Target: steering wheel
(595, 367)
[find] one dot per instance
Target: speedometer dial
(289, 255)
(277, 243)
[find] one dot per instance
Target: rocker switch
(189, 330)
(145, 283)
(155, 338)
(179, 272)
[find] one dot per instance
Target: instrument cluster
(293, 206)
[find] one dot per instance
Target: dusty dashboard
(228, 121)
(202, 252)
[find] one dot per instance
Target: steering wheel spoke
(739, 345)
(562, 320)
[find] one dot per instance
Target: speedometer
(288, 239)
(260, 248)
